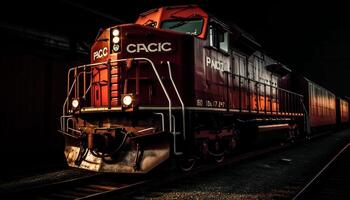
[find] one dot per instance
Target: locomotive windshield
(189, 26)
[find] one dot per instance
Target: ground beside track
(275, 176)
(18, 183)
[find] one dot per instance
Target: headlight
(75, 103)
(116, 39)
(127, 100)
(115, 32)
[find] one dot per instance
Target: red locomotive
(180, 84)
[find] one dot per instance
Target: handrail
(162, 115)
(275, 92)
(180, 99)
(109, 64)
(258, 82)
(65, 102)
(61, 120)
(281, 101)
(166, 94)
(306, 119)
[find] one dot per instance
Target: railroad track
(101, 189)
(109, 186)
(332, 181)
(96, 186)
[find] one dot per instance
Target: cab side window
(218, 37)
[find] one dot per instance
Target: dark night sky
(310, 38)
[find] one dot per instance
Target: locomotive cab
(189, 19)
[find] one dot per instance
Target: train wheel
(293, 134)
(220, 158)
(204, 150)
(296, 132)
(232, 144)
(219, 153)
(290, 136)
(187, 164)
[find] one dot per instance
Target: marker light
(127, 100)
(115, 32)
(116, 39)
(116, 47)
(75, 103)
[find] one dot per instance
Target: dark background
(40, 40)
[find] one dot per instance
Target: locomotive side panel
(239, 98)
(231, 79)
(269, 82)
(210, 78)
(252, 86)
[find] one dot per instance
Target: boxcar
(319, 102)
(342, 111)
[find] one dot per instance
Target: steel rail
(312, 182)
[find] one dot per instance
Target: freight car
(177, 85)
(324, 109)
(342, 106)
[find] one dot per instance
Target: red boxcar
(342, 111)
(319, 102)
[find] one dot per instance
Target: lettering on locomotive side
(216, 64)
(208, 103)
(100, 53)
(149, 48)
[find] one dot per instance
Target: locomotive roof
(167, 8)
(240, 36)
(318, 85)
(278, 68)
(232, 27)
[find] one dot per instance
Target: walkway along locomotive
(178, 84)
